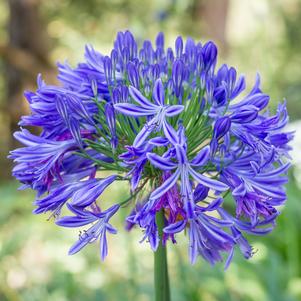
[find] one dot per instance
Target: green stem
(161, 270)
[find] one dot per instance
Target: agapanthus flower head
(178, 129)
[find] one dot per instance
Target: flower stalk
(161, 279)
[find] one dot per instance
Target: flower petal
(175, 227)
(171, 181)
(158, 92)
(103, 246)
(77, 246)
(144, 133)
(133, 110)
(158, 141)
(208, 182)
(174, 110)
(139, 98)
(88, 194)
(74, 221)
(202, 157)
(170, 133)
(159, 162)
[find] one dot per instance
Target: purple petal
(158, 92)
(181, 154)
(74, 127)
(240, 190)
(229, 259)
(143, 134)
(111, 229)
(245, 115)
(133, 110)
(221, 127)
(202, 157)
(178, 69)
(170, 133)
(200, 193)
(161, 163)
(175, 227)
(239, 87)
(275, 172)
(103, 246)
(77, 106)
(193, 250)
(111, 119)
(208, 182)
(174, 110)
(78, 246)
(133, 75)
(88, 194)
(158, 141)
(179, 46)
(214, 204)
(139, 98)
(28, 139)
(110, 211)
(74, 221)
(62, 107)
(168, 184)
(136, 174)
(94, 58)
(154, 240)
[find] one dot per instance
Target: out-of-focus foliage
(261, 35)
(265, 36)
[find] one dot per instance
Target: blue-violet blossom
(176, 128)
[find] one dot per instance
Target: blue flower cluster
(184, 134)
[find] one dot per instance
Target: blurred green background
(257, 35)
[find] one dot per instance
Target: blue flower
(157, 110)
(39, 162)
(256, 190)
(183, 170)
(207, 239)
(96, 232)
(172, 125)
